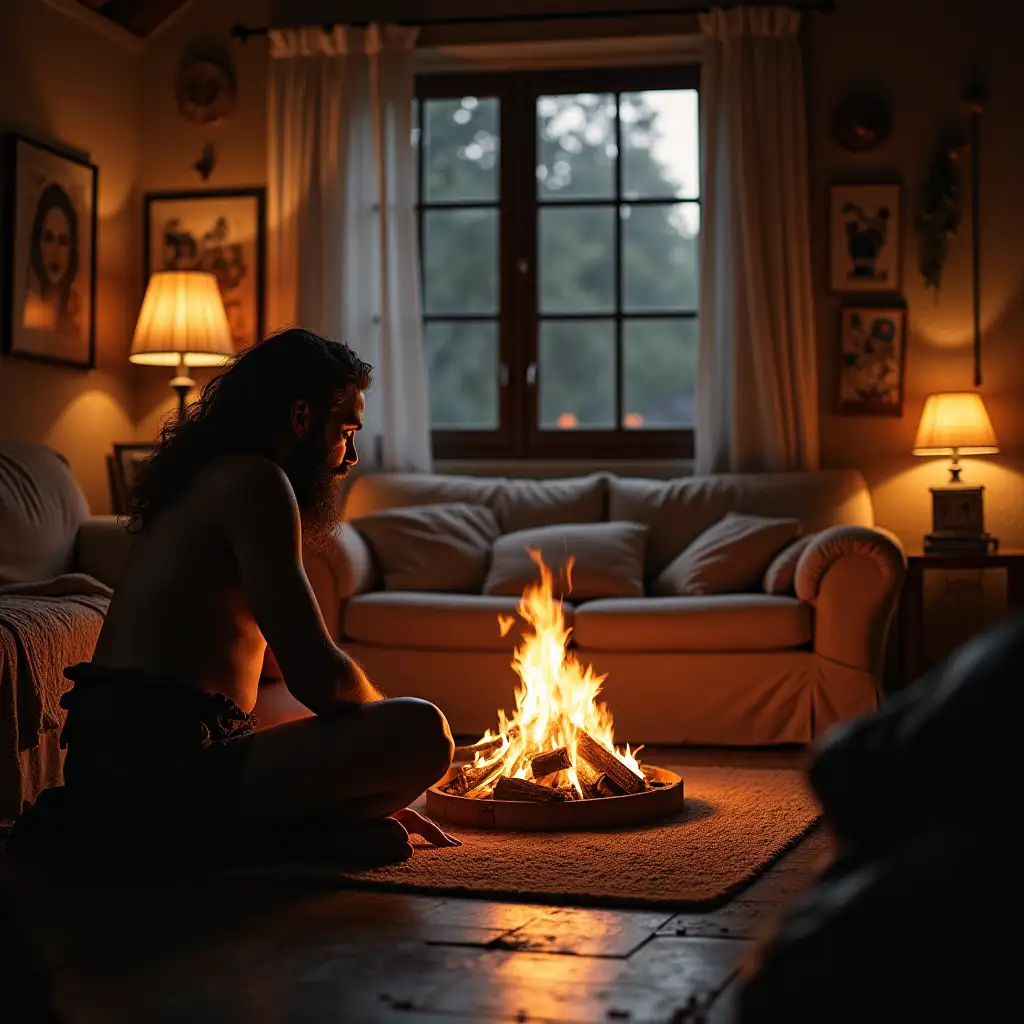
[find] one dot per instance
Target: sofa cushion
(722, 622)
(432, 547)
(728, 558)
(608, 560)
(447, 622)
(780, 576)
(678, 511)
(518, 504)
(41, 508)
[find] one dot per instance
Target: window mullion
(619, 382)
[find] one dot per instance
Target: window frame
(519, 435)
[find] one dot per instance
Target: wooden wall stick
(976, 236)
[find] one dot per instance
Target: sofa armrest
(101, 548)
(339, 568)
(853, 576)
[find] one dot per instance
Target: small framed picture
(218, 231)
(871, 360)
(49, 279)
(865, 240)
(122, 467)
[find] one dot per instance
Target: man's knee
(427, 736)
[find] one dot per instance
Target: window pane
(461, 145)
(577, 374)
(659, 364)
(462, 368)
(659, 257)
(661, 154)
(576, 146)
(577, 259)
(460, 254)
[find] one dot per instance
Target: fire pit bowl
(664, 799)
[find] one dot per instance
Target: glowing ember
(556, 712)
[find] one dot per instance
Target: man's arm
(262, 523)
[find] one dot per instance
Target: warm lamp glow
(182, 322)
(955, 423)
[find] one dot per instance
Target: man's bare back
(180, 608)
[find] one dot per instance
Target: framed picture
(122, 467)
(872, 357)
(49, 263)
(218, 231)
(865, 242)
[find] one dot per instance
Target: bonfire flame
(556, 701)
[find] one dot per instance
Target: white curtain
(342, 253)
(757, 381)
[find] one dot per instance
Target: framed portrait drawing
(221, 232)
(871, 361)
(122, 467)
(49, 274)
(865, 243)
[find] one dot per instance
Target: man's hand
(417, 825)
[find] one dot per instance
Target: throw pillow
(608, 560)
(780, 575)
(443, 547)
(728, 558)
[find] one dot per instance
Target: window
(559, 220)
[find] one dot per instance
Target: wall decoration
(941, 212)
(122, 467)
(218, 231)
(861, 123)
(872, 357)
(49, 234)
(205, 88)
(864, 238)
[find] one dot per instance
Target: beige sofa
(736, 669)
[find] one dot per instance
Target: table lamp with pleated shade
(182, 323)
(955, 423)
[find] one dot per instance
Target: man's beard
(315, 483)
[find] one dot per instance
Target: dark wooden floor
(264, 951)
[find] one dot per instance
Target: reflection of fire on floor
(559, 746)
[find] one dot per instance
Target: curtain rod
(245, 32)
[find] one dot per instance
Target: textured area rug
(737, 821)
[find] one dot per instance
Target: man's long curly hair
(245, 408)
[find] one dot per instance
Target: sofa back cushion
(518, 504)
(41, 509)
(608, 560)
(444, 547)
(730, 557)
(679, 510)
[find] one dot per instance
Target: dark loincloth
(152, 772)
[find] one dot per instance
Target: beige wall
(65, 84)
(920, 53)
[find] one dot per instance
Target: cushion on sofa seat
(730, 557)
(780, 576)
(431, 547)
(446, 622)
(608, 560)
(722, 622)
(679, 510)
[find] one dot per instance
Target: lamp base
(182, 384)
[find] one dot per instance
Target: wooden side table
(911, 617)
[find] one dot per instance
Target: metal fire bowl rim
(574, 815)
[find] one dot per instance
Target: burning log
(483, 746)
(606, 763)
(521, 789)
(550, 762)
(589, 779)
(609, 787)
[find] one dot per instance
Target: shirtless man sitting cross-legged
(163, 751)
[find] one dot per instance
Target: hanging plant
(940, 217)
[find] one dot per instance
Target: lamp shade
(182, 320)
(955, 422)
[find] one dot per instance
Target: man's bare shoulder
(240, 487)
